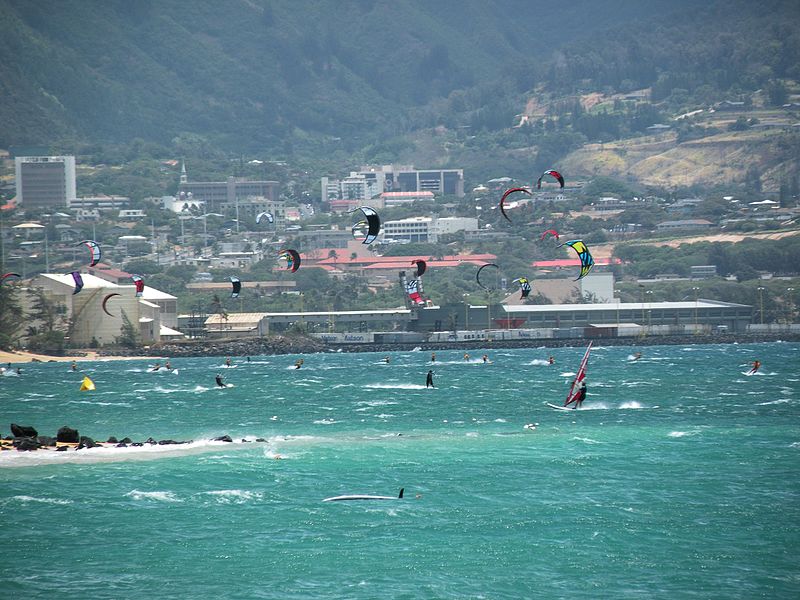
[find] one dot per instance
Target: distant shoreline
(255, 348)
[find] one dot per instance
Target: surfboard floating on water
(364, 497)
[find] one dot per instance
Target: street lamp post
(791, 305)
(761, 303)
(649, 309)
(695, 290)
(617, 292)
(466, 311)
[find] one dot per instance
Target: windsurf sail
(575, 388)
(87, 385)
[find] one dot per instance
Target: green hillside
(261, 74)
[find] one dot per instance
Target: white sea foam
(394, 386)
(157, 496)
(781, 401)
(113, 454)
(631, 404)
(587, 440)
(27, 499)
(234, 496)
(325, 422)
(538, 362)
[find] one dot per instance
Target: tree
(129, 337)
(10, 316)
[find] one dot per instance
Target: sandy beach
(26, 357)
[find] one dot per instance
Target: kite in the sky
(508, 193)
(412, 288)
(524, 286)
(422, 266)
(552, 232)
(138, 282)
(478, 274)
(76, 276)
(94, 251)
(7, 275)
(264, 215)
(587, 262)
(236, 286)
(292, 258)
(552, 173)
(106, 299)
(373, 222)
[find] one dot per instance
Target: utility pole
(761, 303)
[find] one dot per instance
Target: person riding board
(581, 395)
(429, 380)
(756, 367)
(220, 383)
(551, 361)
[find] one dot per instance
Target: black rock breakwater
(25, 438)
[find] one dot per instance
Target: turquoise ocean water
(680, 477)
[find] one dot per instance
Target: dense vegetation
(327, 78)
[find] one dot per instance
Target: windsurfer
(429, 380)
(581, 395)
(756, 367)
(219, 381)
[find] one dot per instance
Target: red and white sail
(575, 388)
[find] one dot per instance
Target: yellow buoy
(87, 384)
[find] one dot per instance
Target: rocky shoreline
(276, 345)
(25, 438)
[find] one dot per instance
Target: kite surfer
(74, 366)
(637, 356)
(466, 356)
(551, 361)
(298, 363)
(756, 367)
(156, 367)
(433, 356)
(228, 362)
(219, 381)
(429, 380)
(386, 359)
(485, 358)
(168, 365)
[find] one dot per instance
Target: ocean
(679, 477)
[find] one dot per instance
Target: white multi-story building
(371, 181)
(426, 229)
(45, 181)
(101, 203)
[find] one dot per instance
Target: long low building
(537, 321)
(707, 313)
(262, 323)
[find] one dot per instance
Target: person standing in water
(220, 383)
(429, 380)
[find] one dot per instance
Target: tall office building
(45, 181)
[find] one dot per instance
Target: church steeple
(184, 178)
